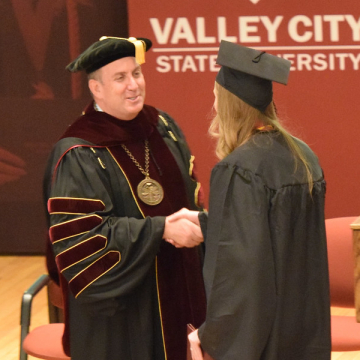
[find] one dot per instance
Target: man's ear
(95, 87)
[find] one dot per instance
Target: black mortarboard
(248, 73)
(109, 49)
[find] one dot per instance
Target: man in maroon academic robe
(113, 178)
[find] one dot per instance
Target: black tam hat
(248, 73)
(109, 49)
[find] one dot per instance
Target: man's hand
(182, 233)
(184, 213)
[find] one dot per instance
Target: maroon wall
(38, 98)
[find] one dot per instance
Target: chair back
(56, 303)
(43, 342)
(341, 261)
(55, 295)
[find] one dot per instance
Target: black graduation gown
(265, 269)
(129, 293)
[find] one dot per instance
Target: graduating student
(112, 179)
(265, 270)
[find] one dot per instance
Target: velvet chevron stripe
(74, 227)
(93, 272)
(80, 252)
(67, 205)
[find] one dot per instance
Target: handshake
(182, 229)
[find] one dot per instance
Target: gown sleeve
(101, 255)
(239, 271)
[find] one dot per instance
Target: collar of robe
(265, 128)
(260, 126)
(103, 129)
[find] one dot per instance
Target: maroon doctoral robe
(129, 294)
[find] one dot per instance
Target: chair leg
(26, 309)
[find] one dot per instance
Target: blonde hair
(235, 123)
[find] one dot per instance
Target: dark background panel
(39, 99)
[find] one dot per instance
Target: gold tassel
(139, 47)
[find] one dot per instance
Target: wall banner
(320, 103)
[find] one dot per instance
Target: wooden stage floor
(17, 273)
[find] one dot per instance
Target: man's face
(121, 89)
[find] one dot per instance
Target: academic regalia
(265, 267)
(129, 294)
(265, 270)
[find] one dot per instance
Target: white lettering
(331, 62)
(271, 27)
(320, 62)
(334, 25)
(355, 60)
(176, 59)
(318, 29)
(355, 27)
(291, 58)
(342, 58)
(200, 32)
(201, 59)
(212, 62)
(180, 63)
(162, 61)
(257, 29)
(301, 29)
(299, 62)
(162, 36)
(222, 33)
(293, 28)
(304, 60)
(245, 29)
(183, 31)
(189, 64)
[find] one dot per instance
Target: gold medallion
(150, 191)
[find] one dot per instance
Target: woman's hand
(195, 348)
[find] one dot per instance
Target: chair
(43, 342)
(345, 331)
